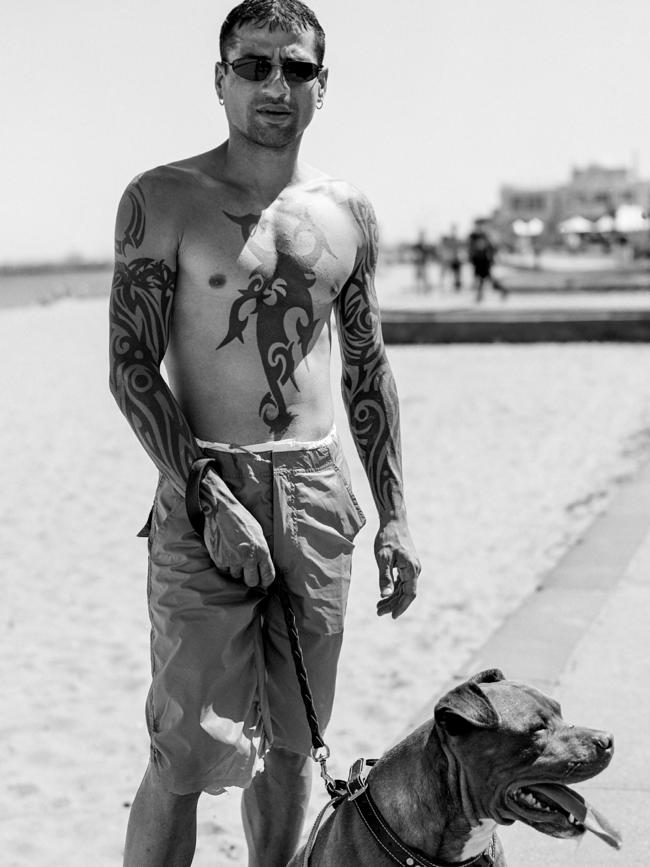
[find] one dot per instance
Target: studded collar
(396, 850)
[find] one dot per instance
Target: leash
(320, 752)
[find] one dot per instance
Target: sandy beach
(509, 452)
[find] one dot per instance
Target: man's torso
(249, 351)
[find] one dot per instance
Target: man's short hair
(289, 15)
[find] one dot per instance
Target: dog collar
(396, 850)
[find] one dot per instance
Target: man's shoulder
(338, 189)
(164, 180)
(352, 201)
(168, 193)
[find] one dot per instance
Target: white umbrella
(528, 228)
(576, 226)
(606, 223)
(630, 218)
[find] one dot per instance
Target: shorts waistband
(277, 455)
(288, 445)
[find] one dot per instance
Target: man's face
(271, 113)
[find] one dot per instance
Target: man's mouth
(274, 110)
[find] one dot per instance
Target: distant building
(591, 193)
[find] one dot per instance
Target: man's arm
(370, 398)
(142, 294)
(146, 247)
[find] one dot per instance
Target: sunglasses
(259, 69)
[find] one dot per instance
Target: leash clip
(357, 783)
(336, 789)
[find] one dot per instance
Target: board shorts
(224, 687)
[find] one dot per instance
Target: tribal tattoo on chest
(283, 308)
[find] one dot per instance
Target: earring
(221, 100)
(319, 101)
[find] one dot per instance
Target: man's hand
(399, 568)
(235, 540)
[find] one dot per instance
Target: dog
(495, 752)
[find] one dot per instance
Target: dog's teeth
(530, 800)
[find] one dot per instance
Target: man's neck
(263, 171)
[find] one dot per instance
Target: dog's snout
(604, 741)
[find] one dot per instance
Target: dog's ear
(490, 675)
(466, 707)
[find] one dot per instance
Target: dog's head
(515, 754)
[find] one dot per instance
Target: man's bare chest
(277, 255)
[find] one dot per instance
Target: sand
(509, 452)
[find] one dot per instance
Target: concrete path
(584, 638)
(525, 316)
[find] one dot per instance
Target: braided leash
(320, 752)
(317, 741)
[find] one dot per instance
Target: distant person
(420, 261)
(230, 266)
(481, 253)
(450, 260)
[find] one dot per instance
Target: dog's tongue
(575, 804)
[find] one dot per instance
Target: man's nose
(275, 84)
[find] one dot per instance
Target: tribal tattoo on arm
(368, 386)
(140, 314)
(134, 231)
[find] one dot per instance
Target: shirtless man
(229, 266)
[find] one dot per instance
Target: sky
(431, 105)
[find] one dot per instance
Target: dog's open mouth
(561, 812)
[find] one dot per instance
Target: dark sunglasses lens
(252, 69)
(298, 71)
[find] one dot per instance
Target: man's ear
(219, 72)
(467, 706)
(322, 81)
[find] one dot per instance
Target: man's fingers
(394, 605)
(257, 569)
(386, 583)
(267, 573)
(251, 574)
(385, 606)
(402, 604)
(388, 601)
(400, 599)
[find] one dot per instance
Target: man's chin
(276, 138)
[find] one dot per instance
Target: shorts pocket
(146, 530)
(323, 524)
(343, 473)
